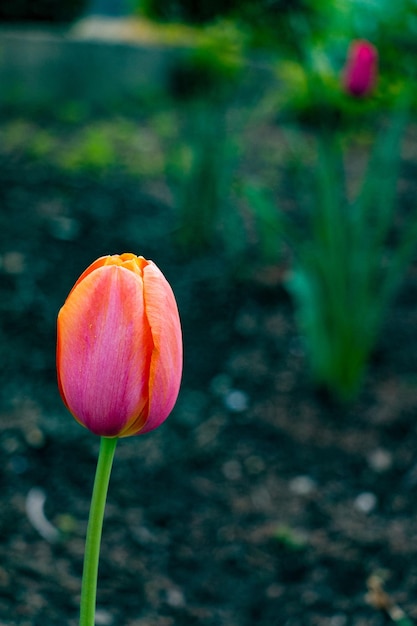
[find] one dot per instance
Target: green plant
(211, 68)
(94, 151)
(200, 186)
(185, 10)
(348, 259)
(203, 158)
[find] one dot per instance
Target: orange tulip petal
(166, 362)
(104, 349)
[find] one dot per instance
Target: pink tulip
(119, 347)
(360, 73)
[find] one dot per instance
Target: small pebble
(274, 591)
(35, 502)
(338, 620)
(103, 618)
(365, 502)
(175, 598)
(380, 460)
(13, 262)
(302, 485)
(232, 470)
(236, 401)
(261, 498)
(35, 437)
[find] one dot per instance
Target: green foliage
(390, 26)
(313, 95)
(94, 152)
(200, 194)
(270, 24)
(186, 10)
(267, 224)
(211, 68)
(349, 257)
(203, 85)
(311, 53)
(280, 25)
(202, 178)
(93, 146)
(264, 14)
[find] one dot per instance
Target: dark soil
(259, 501)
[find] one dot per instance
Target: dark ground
(257, 502)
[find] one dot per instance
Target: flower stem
(94, 528)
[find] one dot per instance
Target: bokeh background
(224, 141)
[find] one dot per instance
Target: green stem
(95, 525)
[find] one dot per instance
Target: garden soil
(259, 501)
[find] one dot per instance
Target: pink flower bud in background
(361, 69)
(119, 347)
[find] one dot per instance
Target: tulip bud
(119, 347)
(360, 73)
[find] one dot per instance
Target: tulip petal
(360, 74)
(166, 362)
(104, 350)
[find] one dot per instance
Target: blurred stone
(365, 502)
(274, 591)
(380, 460)
(35, 502)
(34, 437)
(261, 498)
(302, 485)
(103, 618)
(13, 262)
(338, 620)
(236, 401)
(175, 598)
(232, 470)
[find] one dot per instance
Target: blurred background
(263, 154)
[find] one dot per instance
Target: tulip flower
(360, 73)
(119, 347)
(119, 364)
